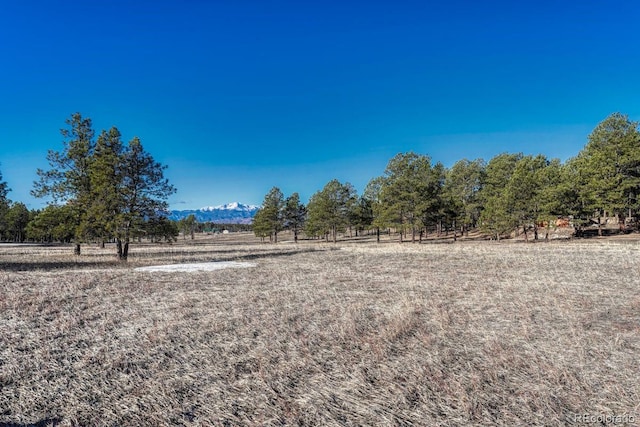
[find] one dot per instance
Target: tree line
(512, 191)
(102, 189)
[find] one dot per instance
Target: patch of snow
(201, 266)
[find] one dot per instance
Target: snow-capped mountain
(233, 206)
(230, 213)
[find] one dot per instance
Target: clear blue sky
(238, 96)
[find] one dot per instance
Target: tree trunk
(599, 226)
(125, 252)
(76, 250)
(295, 235)
(413, 234)
(275, 237)
(119, 248)
(377, 234)
(455, 232)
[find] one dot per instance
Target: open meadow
(357, 333)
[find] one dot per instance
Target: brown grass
(354, 334)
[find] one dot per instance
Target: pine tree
(144, 192)
(107, 187)
(372, 196)
(106, 177)
(4, 190)
(268, 221)
(329, 210)
(294, 214)
(68, 181)
(462, 186)
(410, 193)
(522, 192)
(496, 217)
(608, 168)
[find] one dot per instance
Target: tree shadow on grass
(53, 266)
(51, 422)
(160, 257)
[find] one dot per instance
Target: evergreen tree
(410, 193)
(4, 190)
(496, 217)
(4, 208)
(372, 196)
(268, 221)
(68, 180)
(17, 218)
(144, 191)
(434, 208)
(106, 175)
(53, 223)
(161, 228)
(608, 168)
(523, 192)
(261, 226)
(462, 187)
(554, 197)
(187, 226)
(294, 215)
(361, 217)
(329, 210)
(107, 187)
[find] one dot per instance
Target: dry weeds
(433, 334)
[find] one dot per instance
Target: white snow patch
(201, 266)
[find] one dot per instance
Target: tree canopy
(110, 188)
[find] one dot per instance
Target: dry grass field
(471, 333)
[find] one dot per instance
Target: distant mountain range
(231, 213)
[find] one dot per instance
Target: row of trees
(277, 214)
(102, 189)
(14, 217)
(511, 191)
